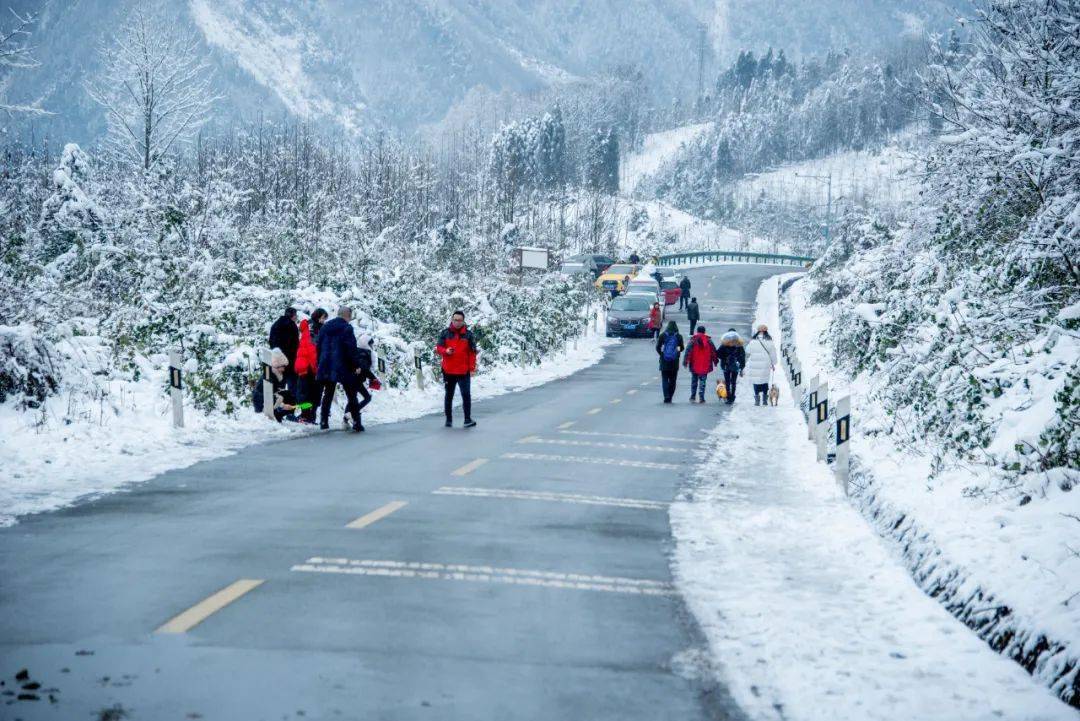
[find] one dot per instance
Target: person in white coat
(761, 363)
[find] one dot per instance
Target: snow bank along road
(515, 571)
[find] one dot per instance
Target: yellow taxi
(616, 275)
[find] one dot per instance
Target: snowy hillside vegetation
(958, 328)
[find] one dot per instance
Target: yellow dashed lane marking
(594, 411)
(564, 426)
(631, 392)
(470, 467)
(364, 521)
(198, 613)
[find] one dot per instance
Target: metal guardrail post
(419, 365)
(820, 415)
(267, 383)
(843, 442)
(176, 385)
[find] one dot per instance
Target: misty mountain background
(363, 65)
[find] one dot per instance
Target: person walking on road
(286, 336)
(340, 361)
(684, 296)
(700, 359)
(732, 357)
(693, 313)
(457, 347)
(761, 363)
(669, 346)
(655, 318)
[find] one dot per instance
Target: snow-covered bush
(27, 371)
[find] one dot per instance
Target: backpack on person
(671, 348)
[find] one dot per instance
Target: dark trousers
(693, 325)
(762, 390)
(309, 390)
(730, 378)
(684, 300)
(464, 382)
(352, 407)
(697, 385)
(669, 373)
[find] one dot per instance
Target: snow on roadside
(51, 465)
(808, 613)
(1013, 564)
(657, 149)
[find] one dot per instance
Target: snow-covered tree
(16, 53)
(156, 89)
(69, 213)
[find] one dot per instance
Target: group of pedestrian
(309, 359)
(701, 357)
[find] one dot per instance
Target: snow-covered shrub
(27, 371)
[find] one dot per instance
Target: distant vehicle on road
(629, 316)
(614, 277)
(580, 267)
(602, 262)
(645, 287)
(671, 290)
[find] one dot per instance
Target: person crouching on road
(700, 358)
(340, 361)
(732, 357)
(762, 362)
(284, 400)
(457, 348)
(655, 318)
(669, 346)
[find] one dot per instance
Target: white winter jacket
(760, 359)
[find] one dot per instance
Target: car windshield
(625, 303)
(623, 269)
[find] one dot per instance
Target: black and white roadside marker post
(176, 387)
(820, 414)
(811, 402)
(418, 364)
(267, 384)
(380, 363)
(843, 442)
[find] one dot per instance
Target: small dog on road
(774, 395)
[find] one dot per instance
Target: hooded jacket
(338, 356)
(654, 317)
(307, 356)
(693, 313)
(458, 351)
(700, 356)
(731, 352)
(284, 335)
(761, 360)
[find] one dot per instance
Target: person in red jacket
(457, 347)
(700, 358)
(655, 318)
(309, 390)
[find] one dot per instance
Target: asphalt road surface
(518, 570)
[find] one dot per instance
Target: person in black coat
(340, 361)
(684, 298)
(670, 347)
(693, 313)
(732, 355)
(285, 334)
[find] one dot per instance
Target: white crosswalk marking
(601, 444)
(550, 496)
(485, 574)
(590, 459)
(673, 439)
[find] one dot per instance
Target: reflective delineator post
(267, 384)
(419, 371)
(176, 386)
(843, 442)
(811, 402)
(820, 415)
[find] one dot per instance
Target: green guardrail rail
(734, 256)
